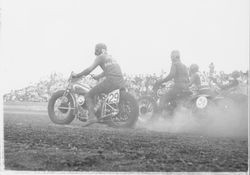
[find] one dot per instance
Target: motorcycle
(231, 97)
(148, 103)
(197, 100)
(117, 109)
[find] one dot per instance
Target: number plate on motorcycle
(114, 96)
(201, 102)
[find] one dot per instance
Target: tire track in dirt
(33, 142)
(25, 112)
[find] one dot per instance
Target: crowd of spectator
(137, 85)
(140, 85)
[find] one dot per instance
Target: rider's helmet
(99, 48)
(235, 74)
(175, 55)
(193, 68)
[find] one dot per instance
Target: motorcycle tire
(201, 113)
(144, 110)
(51, 104)
(126, 98)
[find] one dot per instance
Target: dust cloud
(225, 119)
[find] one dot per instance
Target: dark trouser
(106, 87)
(171, 95)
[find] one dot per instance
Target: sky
(43, 36)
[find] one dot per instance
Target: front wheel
(128, 112)
(61, 108)
(147, 107)
(203, 107)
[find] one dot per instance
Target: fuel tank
(81, 88)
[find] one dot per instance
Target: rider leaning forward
(113, 78)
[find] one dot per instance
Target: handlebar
(71, 77)
(76, 79)
(92, 75)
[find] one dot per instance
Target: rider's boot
(92, 117)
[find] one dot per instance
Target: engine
(80, 100)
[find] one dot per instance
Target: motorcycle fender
(201, 95)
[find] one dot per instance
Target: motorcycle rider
(113, 78)
(233, 81)
(195, 80)
(179, 73)
(211, 69)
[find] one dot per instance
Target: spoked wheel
(61, 108)
(202, 107)
(128, 112)
(147, 107)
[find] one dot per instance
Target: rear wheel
(128, 112)
(61, 108)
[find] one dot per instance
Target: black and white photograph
(124, 86)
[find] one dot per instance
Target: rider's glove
(95, 77)
(157, 84)
(75, 76)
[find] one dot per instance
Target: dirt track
(32, 142)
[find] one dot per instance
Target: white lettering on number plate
(114, 96)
